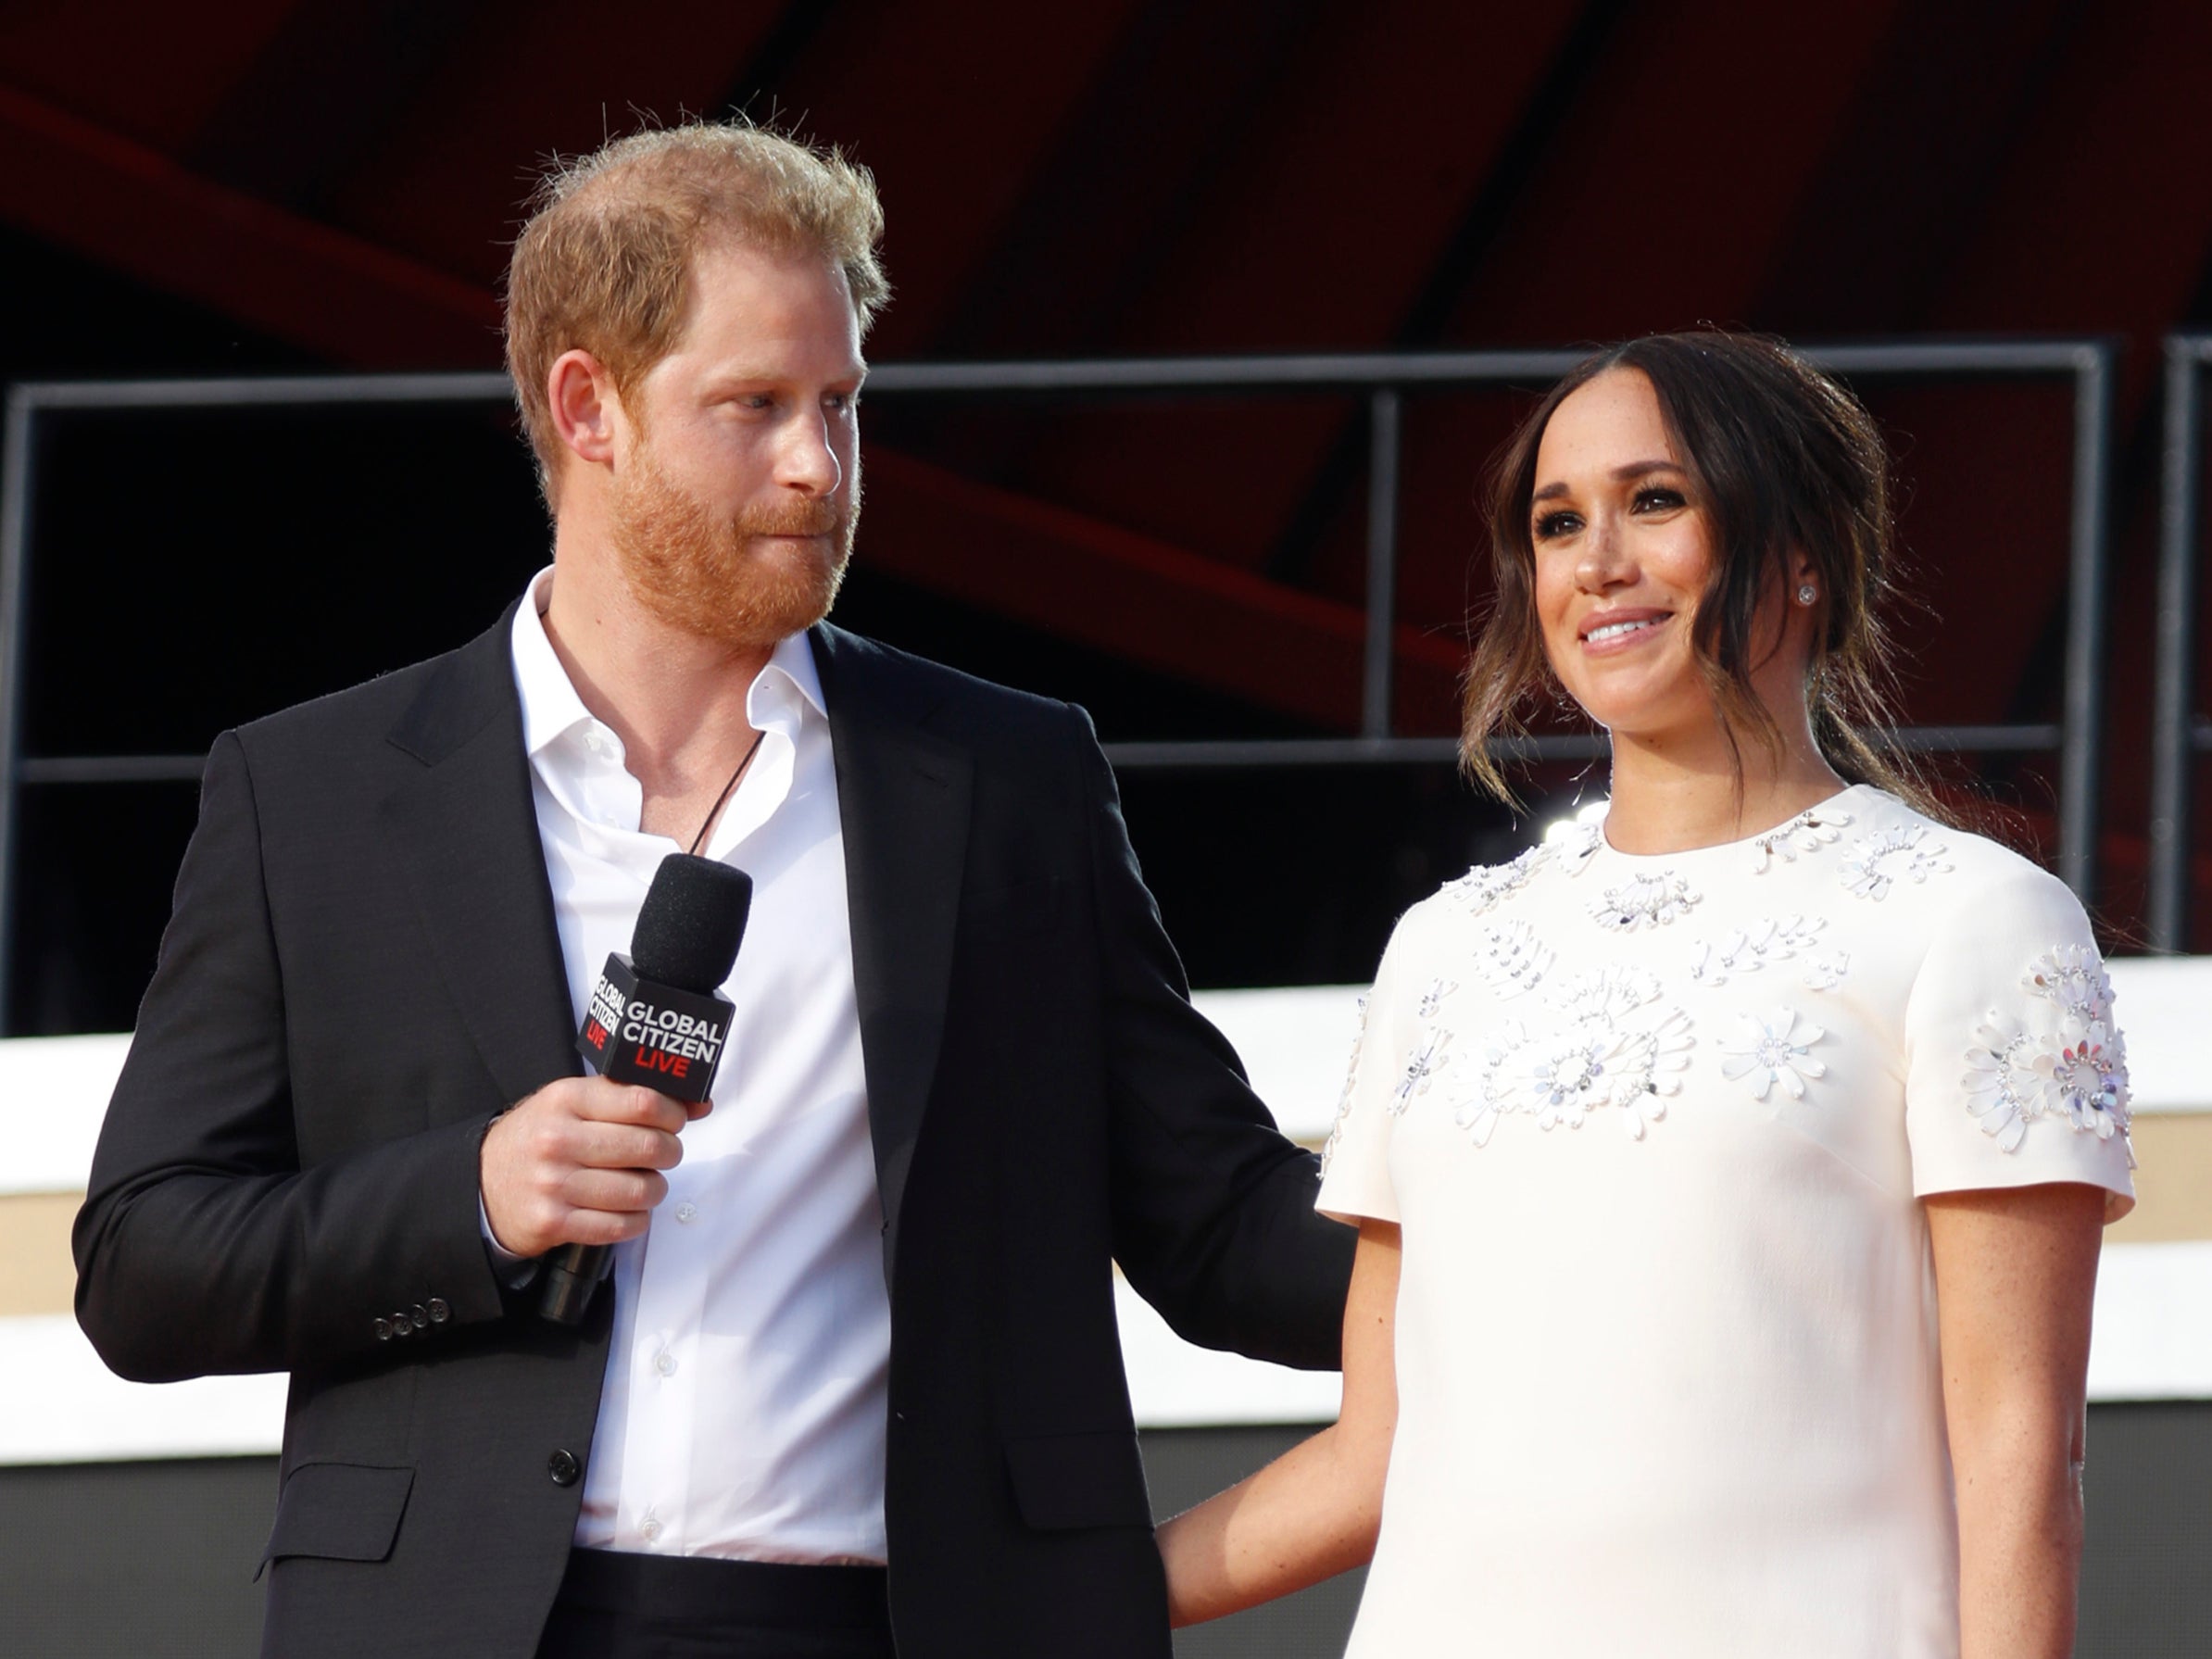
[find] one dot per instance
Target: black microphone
(657, 1018)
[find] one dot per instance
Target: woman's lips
(1612, 632)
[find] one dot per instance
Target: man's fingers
(620, 1146)
(622, 1190)
(604, 1226)
(631, 1103)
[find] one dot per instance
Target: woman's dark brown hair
(1784, 460)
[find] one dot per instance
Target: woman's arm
(1314, 1512)
(2015, 1271)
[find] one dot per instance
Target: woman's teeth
(1615, 629)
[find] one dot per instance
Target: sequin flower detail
(1644, 901)
(1808, 831)
(2067, 1058)
(1483, 887)
(1513, 960)
(1768, 1049)
(1578, 842)
(1880, 860)
(1748, 950)
(1591, 1058)
(1351, 1078)
(1423, 1063)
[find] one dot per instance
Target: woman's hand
(1314, 1512)
(2015, 1269)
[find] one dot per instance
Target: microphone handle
(572, 1273)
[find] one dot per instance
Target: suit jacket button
(419, 1315)
(438, 1310)
(383, 1330)
(561, 1465)
(401, 1325)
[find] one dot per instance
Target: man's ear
(585, 406)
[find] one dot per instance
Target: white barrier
(59, 1404)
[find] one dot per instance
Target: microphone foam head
(691, 924)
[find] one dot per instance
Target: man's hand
(580, 1162)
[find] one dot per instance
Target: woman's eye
(1553, 524)
(1658, 500)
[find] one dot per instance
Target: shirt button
(687, 1213)
(651, 1531)
(665, 1364)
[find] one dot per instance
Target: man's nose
(808, 460)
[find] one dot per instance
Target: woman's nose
(1602, 561)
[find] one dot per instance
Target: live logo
(638, 1031)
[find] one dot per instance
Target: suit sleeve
(1214, 1221)
(203, 1245)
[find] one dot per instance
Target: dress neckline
(1838, 809)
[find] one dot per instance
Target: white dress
(1655, 1130)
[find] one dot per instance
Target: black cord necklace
(714, 811)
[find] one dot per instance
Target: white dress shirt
(743, 1413)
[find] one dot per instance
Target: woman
(1682, 1145)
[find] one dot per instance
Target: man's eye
(1553, 524)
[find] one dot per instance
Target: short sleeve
(2016, 1071)
(1355, 1167)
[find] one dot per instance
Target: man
(862, 1311)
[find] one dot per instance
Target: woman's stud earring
(1807, 594)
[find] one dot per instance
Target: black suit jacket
(362, 969)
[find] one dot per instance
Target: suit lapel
(464, 831)
(903, 798)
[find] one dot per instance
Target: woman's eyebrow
(1635, 470)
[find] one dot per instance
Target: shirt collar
(551, 707)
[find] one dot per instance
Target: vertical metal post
(2080, 749)
(2173, 748)
(15, 549)
(1382, 562)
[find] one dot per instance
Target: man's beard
(717, 579)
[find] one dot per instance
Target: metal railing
(2179, 734)
(1383, 378)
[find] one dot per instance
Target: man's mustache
(817, 518)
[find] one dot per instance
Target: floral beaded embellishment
(1483, 885)
(1748, 950)
(1826, 973)
(1590, 1057)
(1644, 900)
(1767, 1050)
(1808, 831)
(2068, 1059)
(1351, 1080)
(1577, 844)
(1424, 1062)
(1512, 959)
(1902, 850)
(1427, 1057)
